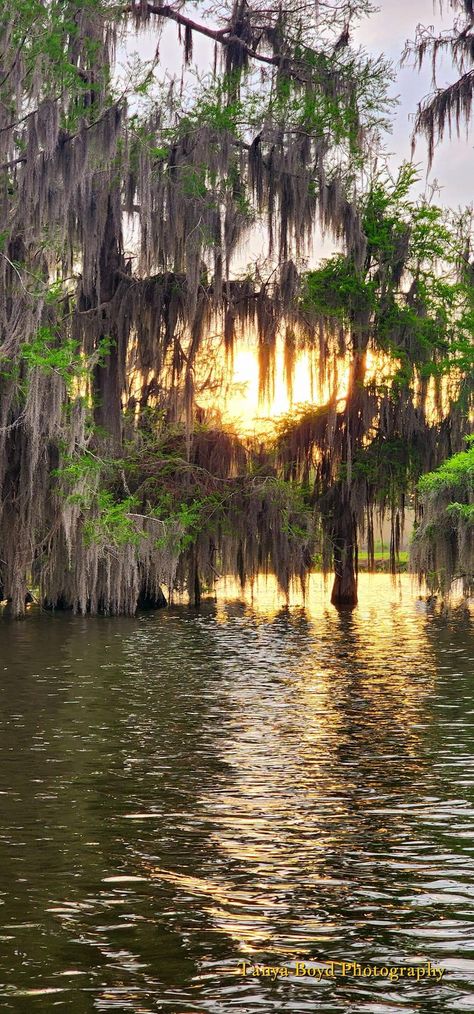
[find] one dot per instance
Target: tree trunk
(197, 587)
(108, 374)
(344, 591)
(107, 411)
(344, 522)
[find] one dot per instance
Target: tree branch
(220, 35)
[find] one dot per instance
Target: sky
(386, 32)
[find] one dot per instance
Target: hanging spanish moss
(443, 546)
(362, 453)
(94, 342)
(449, 107)
(125, 205)
(172, 518)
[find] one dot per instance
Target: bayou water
(254, 781)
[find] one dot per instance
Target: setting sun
(245, 408)
(249, 412)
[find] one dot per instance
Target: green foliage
(382, 221)
(46, 33)
(170, 501)
(388, 467)
(83, 480)
(454, 476)
(443, 543)
(462, 510)
(349, 89)
(448, 495)
(112, 523)
(45, 353)
(184, 521)
(412, 299)
(218, 106)
(50, 352)
(337, 291)
(77, 467)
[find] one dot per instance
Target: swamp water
(186, 790)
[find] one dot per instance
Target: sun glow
(242, 405)
(249, 412)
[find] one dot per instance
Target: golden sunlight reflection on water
(255, 779)
(302, 750)
(377, 592)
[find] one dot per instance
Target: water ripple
(257, 781)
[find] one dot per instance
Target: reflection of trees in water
(331, 728)
(273, 775)
(451, 643)
(114, 717)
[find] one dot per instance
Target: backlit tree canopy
(401, 325)
(443, 548)
(125, 200)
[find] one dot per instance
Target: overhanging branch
(223, 36)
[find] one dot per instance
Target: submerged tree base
(157, 600)
(344, 592)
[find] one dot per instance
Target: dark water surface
(182, 791)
